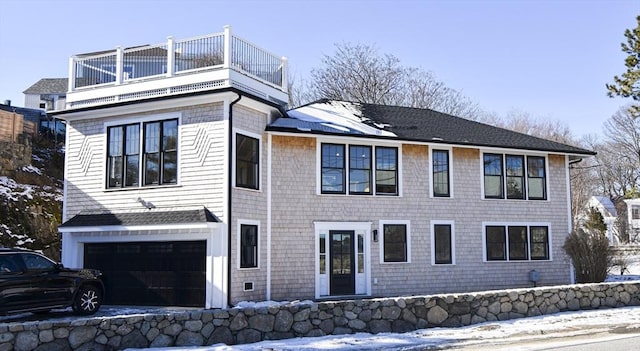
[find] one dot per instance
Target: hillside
(31, 196)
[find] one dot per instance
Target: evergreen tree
(628, 85)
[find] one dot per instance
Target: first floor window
(248, 246)
(247, 162)
(496, 243)
(395, 243)
(516, 242)
(443, 245)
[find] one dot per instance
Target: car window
(36, 262)
(8, 264)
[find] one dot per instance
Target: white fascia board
(125, 228)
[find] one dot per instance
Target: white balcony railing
(175, 58)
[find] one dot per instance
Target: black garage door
(151, 273)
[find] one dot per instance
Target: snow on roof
(604, 203)
(342, 116)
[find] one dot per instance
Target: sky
(548, 59)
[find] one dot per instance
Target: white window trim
(347, 143)
(453, 242)
(239, 242)
(233, 159)
(449, 149)
(522, 224)
(504, 175)
(381, 225)
(140, 120)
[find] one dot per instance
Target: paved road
(627, 340)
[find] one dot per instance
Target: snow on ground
(557, 325)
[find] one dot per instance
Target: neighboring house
(194, 187)
(28, 120)
(607, 209)
(633, 215)
(48, 94)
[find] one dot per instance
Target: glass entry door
(342, 263)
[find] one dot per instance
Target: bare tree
(359, 73)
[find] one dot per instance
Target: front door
(342, 263)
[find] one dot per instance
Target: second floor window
(358, 168)
(517, 176)
(247, 162)
(440, 173)
(156, 165)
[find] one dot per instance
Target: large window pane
(169, 152)
(395, 243)
(247, 162)
(442, 242)
(539, 243)
(359, 169)
(496, 243)
(518, 243)
(248, 246)
(440, 173)
(386, 170)
(333, 169)
(132, 150)
(536, 178)
(115, 156)
(493, 184)
(515, 177)
(152, 153)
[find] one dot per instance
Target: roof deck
(209, 62)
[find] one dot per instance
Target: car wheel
(88, 300)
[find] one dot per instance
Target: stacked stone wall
(246, 325)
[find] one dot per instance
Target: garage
(151, 273)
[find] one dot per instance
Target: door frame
(362, 280)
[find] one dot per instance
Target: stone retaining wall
(245, 325)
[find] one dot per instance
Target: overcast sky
(550, 59)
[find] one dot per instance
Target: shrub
(589, 250)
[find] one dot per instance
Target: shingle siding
(296, 206)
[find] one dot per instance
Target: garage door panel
(151, 273)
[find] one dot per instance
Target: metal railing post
(119, 65)
(72, 74)
(227, 47)
(285, 73)
(171, 57)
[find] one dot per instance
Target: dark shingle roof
(414, 124)
(56, 86)
(150, 217)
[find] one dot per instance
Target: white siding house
(188, 183)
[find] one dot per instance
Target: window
(442, 243)
(359, 169)
(539, 243)
(159, 163)
(247, 162)
(536, 177)
(516, 242)
(440, 174)
(333, 169)
(248, 246)
(359, 163)
(496, 244)
(160, 152)
(493, 176)
(123, 156)
(395, 243)
(386, 170)
(498, 167)
(515, 177)
(635, 212)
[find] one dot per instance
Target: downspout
(230, 189)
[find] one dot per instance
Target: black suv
(30, 282)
